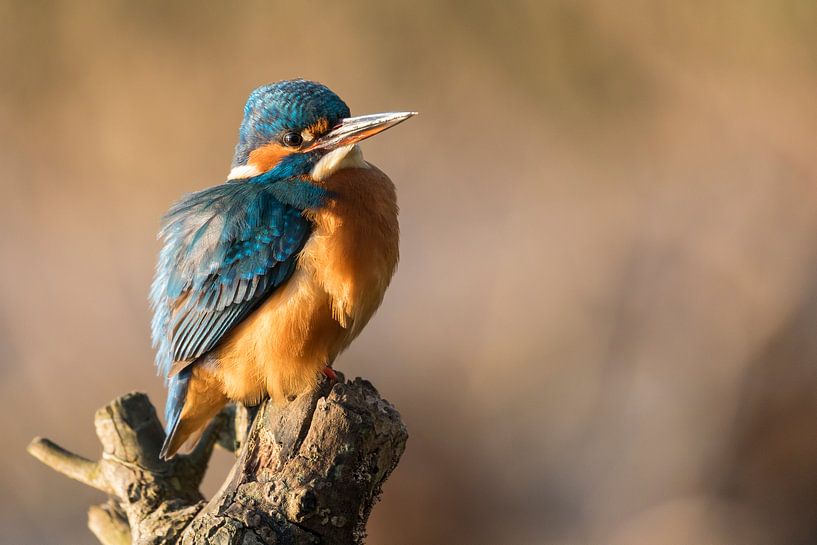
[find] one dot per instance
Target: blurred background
(603, 326)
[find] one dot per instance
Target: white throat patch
(344, 157)
(243, 171)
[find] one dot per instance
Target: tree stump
(307, 472)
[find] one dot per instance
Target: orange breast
(341, 277)
(354, 250)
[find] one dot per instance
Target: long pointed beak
(354, 129)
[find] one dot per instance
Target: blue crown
(286, 105)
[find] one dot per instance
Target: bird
(264, 279)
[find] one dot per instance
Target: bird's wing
(225, 250)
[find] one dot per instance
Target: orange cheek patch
(266, 157)
(319, 127)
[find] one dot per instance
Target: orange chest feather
(354, 250)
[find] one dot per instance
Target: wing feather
(225, 250)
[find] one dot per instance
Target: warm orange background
(604, 326)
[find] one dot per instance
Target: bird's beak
(354, 129)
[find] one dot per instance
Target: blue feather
(176, 394)
(226, 249)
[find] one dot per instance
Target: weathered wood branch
(307, 472)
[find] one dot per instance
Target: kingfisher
(263, 280)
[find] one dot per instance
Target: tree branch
(307, 472)
(69, 464)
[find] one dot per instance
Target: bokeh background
(603, 328)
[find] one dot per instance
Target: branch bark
(307, 472)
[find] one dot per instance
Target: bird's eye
(293, 139)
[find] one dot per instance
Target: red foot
(330, 374)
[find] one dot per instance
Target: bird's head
(291, 125)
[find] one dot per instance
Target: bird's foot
(330, 374)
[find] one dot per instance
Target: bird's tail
(176, 395)
(194, 397)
